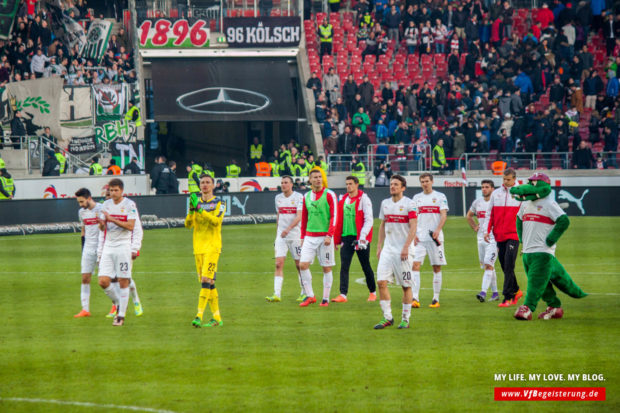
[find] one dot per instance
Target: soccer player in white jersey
(288, 237)
(432, 209)
(136, 244)
(487, 250)
(318, 224)
(89, 219)
(118, 217)
(394, 250)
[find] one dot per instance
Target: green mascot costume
(540, 224)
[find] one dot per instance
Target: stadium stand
(509, 50)
(32, 32)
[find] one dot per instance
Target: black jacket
(582, 158)
(17, 127)
(346, 143)
(131, 168)
(173, 183)
(51, 167)
(159, 178)
(349, 90)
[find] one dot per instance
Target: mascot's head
(537, 187)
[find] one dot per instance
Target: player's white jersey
(287, 209)
(396, 216)
(89, 218)
(125, 210)
(429, 207)
(480, 208)
(538, 221)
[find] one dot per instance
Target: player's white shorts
(115, 262)
(89, 260)
(283, 245)
(435, 253)
(394, 270)
(314, 246)
(487, 253)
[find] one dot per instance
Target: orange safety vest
(115, 169)
(498, 167)
(263, 169)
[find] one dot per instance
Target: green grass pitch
(279, 357)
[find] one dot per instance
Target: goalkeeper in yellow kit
(205, 217)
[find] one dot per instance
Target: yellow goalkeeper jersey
(207, 225)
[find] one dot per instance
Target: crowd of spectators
(33, 51)
(546, 84)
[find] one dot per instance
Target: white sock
(328, 279)
(117, 288)
(301, 285)
(416, 285)
(386, 307)
(124, 301)
(436, 285)
(486, 280)
(306, 279)
(110, 291)
(494, 281)
(85, 297)
(277, 285)
(406, 311)
(134, 292)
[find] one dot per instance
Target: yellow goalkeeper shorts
(206, 264)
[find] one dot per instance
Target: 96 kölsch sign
(250, 32)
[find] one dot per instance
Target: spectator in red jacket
(545, 16)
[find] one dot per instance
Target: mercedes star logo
(223, 101)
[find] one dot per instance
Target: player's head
(207, 183)
(352, 184)
(510, 177)
(84, 197)
(116, 186)
(426, 181)
(487, 187)
(398, 184)
(286, 184)
(316, 179)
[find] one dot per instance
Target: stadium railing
(211, 11)
(533, 160)
(36, 147)
(399, 164)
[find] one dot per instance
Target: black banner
(223, 89)
(82, 145)
(261, 32)
(577, 201)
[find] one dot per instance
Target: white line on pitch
(84, 404)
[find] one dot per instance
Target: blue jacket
(612, 87)
(524, 83)
(597, 7)
(382, 131)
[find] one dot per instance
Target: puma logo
(562, 194)
(236, 202)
